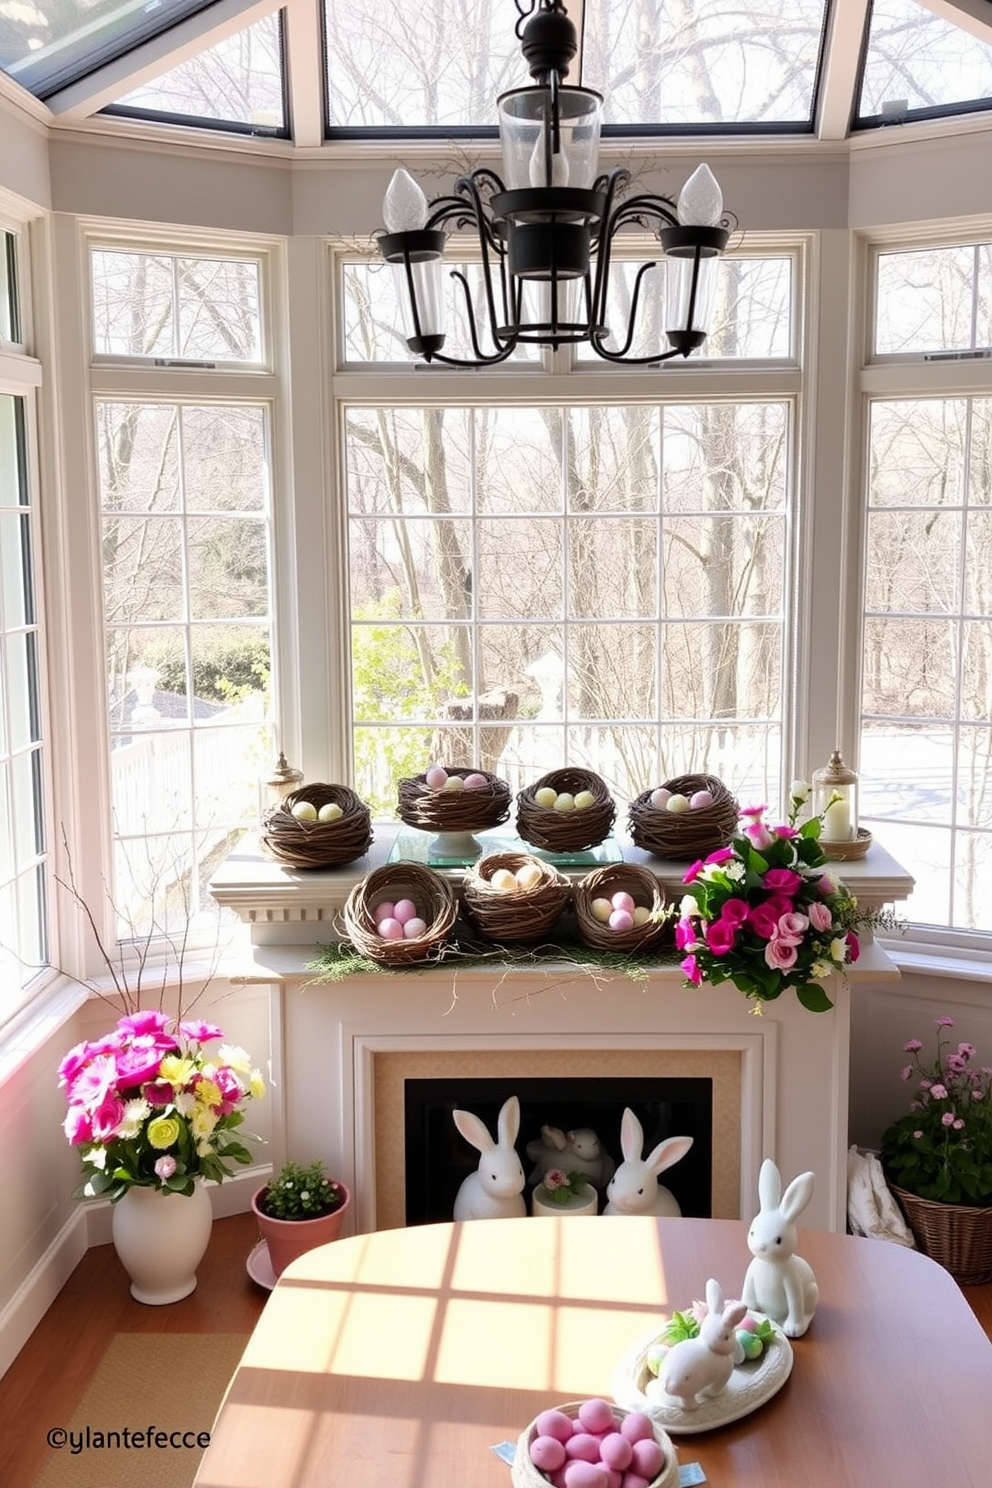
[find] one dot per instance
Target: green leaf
(813, 998)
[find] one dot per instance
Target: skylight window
(918, 65)
(237, 83)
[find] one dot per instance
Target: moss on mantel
(334, 963)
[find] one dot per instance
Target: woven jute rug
(167, 1384)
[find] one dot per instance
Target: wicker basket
(506, 916)
(566, 831)
(957, 1236)
(641, 884)
(684, 835)
(433, 896)
(315, 844)
(524, 1474)
(453, 811)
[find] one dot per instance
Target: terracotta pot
(289, 1238)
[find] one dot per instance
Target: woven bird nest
(316, 844)
(513, 915)
(645, 890)
(453, 811)
(431, 893)
(566, 831)
(684, 835)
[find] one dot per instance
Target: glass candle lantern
(835, 800)
(277, 784)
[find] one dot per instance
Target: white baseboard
(90, 1225)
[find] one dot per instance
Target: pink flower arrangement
(148, 1107)
(760, 914)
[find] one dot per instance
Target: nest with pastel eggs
(646, 892)
(317, 844)
(566, 831)
(684, 835)
(522, 914)
(524, 1473)
(430, 892)
(419, 805)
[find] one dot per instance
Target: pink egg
(596, 1415)
(404, 910)
(582, 1474)
(637, 1427)
(414, 927)
(557, 1479)
(615, 1477)
(475, 781)
(700, 799)
(437, 777)
(659, 797)
(554, 1423)
(748, 1324)
(633, 1479)
(384, 911)
(623, 900)
(616, 1451)
(648, 1458)
(547, 1453)
(584, 1446)
(390, 929)
(621, 920)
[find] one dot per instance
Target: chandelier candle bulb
(700, 201)
(404, 207)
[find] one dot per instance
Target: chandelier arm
(609, 186)
(488, 241)
(638, 208)
(481, 358)
(628, 361)
(621, 355)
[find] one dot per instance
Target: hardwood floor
(47, 1379)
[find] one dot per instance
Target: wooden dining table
(400, 1359)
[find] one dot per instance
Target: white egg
(583, 800)
(329, 812)
(565, 801)
(414, 927)
(504, 881)
(454, 783)
(529, 876)
(304, 811)
(546, 797)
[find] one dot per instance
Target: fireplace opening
(438, 1158)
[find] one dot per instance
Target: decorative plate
(259, 1267)
(751, 1384)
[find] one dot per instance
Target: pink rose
(754, 811)
(763, 920)
(230, 1088)
(792, 927)
(782, 879)
(686, 938)
(826, 885)
(819, 916)
(720, 936)
(146, 1020)
(780, 956)
(779, 904)
(693, 871)
(203, 1033)
(78, 1126)
(692, 970)
(853, 946)
(107, 1118)
(159, 1093)
(759, 835)
(138, 1063)
(73, 1063)
(734, 911)
(555, 1178)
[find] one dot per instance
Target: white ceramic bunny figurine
(634, 1188)
(495, 1189)
(700, 1367)
(577, 1151)
(778, 1282)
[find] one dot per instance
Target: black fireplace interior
(438, 1157)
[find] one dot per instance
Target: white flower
(96, 1157)
(184, 1102)
(305, 1195)
(839, 949)
(734, 871)
(135, 1112)
(799, 792)
(688, 906)
(236, 1057)
(819, 970)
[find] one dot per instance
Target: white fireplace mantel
(794, 1065)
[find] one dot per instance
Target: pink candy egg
(623, 900)
(554, 1423)
(616, 1451)
(621, 919)
(596, 1415)
(583, 1446)
(633, 1479)
(384, 911)
(547, 1453)
(404, 910)
(414, 927)
(390, 929)
(475, 781)
(637, 1427)
(437, 777)
(647, 1458)
(582, 1474)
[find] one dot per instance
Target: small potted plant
(300, 1208)
(564, 1192)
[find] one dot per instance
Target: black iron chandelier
(546, 234)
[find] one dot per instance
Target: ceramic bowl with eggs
(511, 896)
(595, 1444)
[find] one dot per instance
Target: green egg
(750, 1343)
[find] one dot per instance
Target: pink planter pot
(289, 1238)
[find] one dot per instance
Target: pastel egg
(584, 1446)
(453, 783)
(660, 797)
(584, 799)
(437, 777)
(565, 801)
(529, 876)
(614, 1477)
(329, 812)
(505, 880)
(647, 1457)
(632, 1479)
(699, 799)
(637, 1427)
(596, 1415)
(546, 797)
(616, 1451)
(750, 1343)
(554, 1423)
(475, 781)
(621, 919)
(404, 910)
(582, 1474)
(413, 928)
(641, 914)
(390, 929)
(748, 1324)
(622, 900)
(304, 811)
(384, 911)
(677, 803)
(601, 909)
(547, 1453)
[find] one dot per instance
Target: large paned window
(185, 503)
(926, 742)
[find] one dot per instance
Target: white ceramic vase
(160, 1239)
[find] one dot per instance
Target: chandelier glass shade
(546, 229)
